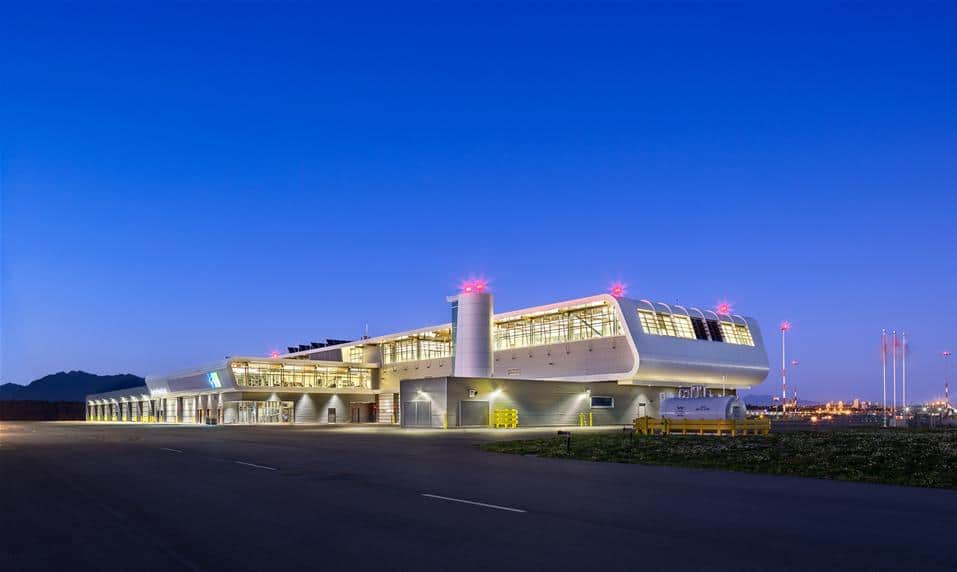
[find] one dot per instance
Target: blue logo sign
(213, 379)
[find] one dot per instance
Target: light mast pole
(884, 372)
(904, 373)
(946, 354)
(894, 373)
(785, 326)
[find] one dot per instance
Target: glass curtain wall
(426, 345)
(563, 325)
(680, 326)
(265, 374)
(256, 412)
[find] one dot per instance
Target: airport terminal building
(610, 358)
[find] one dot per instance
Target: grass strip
(913, 458)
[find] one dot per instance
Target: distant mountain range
(67, 386)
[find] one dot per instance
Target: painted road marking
(171, 450)
(476, 503)
(255, 465)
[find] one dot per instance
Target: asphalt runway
(138, 497)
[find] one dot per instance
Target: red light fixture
(474, 285)
(274, 354)
(723, 308)
(785, 326)
(618, 289)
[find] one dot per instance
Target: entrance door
(417, 414)
(473, 413)
(362, 412)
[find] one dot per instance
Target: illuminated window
(355, 354)
(272, 374)
(425, 345)
(558, 326)
(683, 326)
(736, 334)
(664, 324)
(254, 412)
(648, 322)
(680, 326)
(744, 335)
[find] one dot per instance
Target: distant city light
(723, 308)
(618, 289)
(274, 354)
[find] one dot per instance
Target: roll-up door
(473, 413)
(417, 414)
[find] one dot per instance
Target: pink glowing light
(785, 326)
(474, 285)
(274, 354)
(618, 289)
(723, 308)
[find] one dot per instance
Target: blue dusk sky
(184, 182)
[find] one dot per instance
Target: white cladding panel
(677, 361)
(473, 335)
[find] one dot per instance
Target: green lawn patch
(914, 458)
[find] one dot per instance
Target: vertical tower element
(472, 334)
